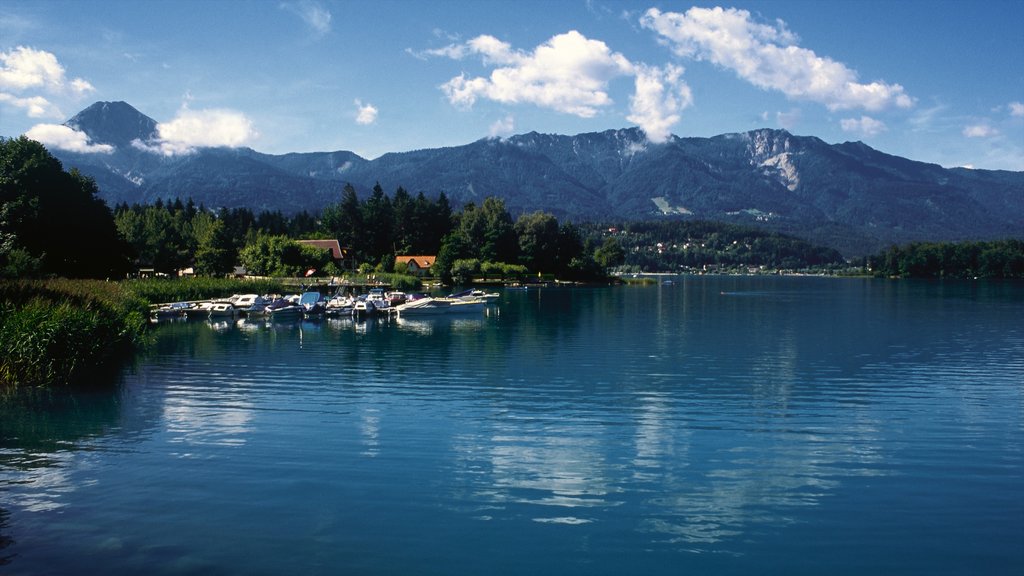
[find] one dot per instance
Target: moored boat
(282, 309)
(170, 311)
(439, 306)
(221, 310)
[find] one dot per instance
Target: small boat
(439, 306)
(338, 306)
(170, 311)
(221, 310)
(255, 307)
(476, 295)
(395, 298)
(363, 308)
(282, 309)
(200, 311)
(313, 304)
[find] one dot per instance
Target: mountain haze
(848, 196)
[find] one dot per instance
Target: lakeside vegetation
(52, 224)
(53, 332)
(997, 259)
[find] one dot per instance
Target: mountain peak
(116, 123)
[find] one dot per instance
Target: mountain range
(847, 196)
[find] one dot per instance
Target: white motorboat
(439, 306)
(222, 310)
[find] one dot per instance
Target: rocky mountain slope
(848, 196)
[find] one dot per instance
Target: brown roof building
(336, 251)
(416, 264)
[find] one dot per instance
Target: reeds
(55, 332)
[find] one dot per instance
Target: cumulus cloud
(980, 131)
(503, 126)
(34, 106)
(569, 73)
(659, 98)
(865, 126)
(768, 57)
(365, 113)
(313, 14)
(191, 129)
(65, 138)
(1017, 109)
(27, 73)
(26, 68)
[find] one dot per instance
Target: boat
(439, 306)
(282, 309)
(313, 304)
(396, 298)
(476, 295)
(363, 307)
(200, 311)
(221, 310)
(338, 306)
(252, 308)
(170, 311)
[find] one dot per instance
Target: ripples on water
(724, 425)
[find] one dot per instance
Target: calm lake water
(707, 426)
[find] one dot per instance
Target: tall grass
(55, 332)
(164, 290)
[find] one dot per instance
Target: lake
(704, 425)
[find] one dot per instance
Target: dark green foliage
(164, 290)
(281, 256)
(681, 245)
(56, 332)
(997, 259)
(52, 222)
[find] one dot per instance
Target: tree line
(994, 259)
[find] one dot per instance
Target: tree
(378, 219)
(215, 253)
(280, 256)
(538, 241)
(610, 253)
(52, 221)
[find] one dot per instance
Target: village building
(341, 256)
(417, 265)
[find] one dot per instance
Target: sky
(935, 81)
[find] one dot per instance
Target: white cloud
(192, 129)
(65, 138)
(365, 113)
(503, 126)
(1017, 109)
(312, 13)
(27, 74)
(865, 126)
(660, 96)
(768, 57)
(569, 73)
(34, 106)
(26, 68)
(980, 131)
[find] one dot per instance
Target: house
(418, 265)
(338, 254)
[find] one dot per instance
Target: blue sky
(936, 81)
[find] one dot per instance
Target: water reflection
(646, 422)
(5, 540)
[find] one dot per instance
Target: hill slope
(848, 196)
